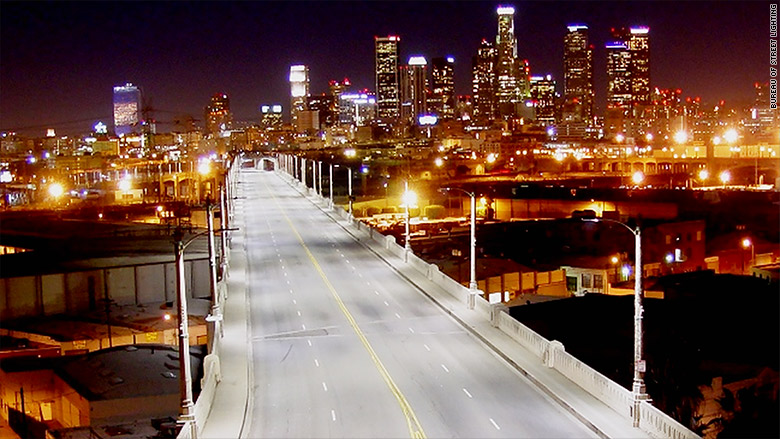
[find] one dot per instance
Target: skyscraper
(628, 73)
(387, 83)
(639, 45)
(218, 116)
(127, 108)
(507, 87)
(443, 87)
(483, 70)
(299, 91)
(577, 75)
(543, 95)
(419, 85)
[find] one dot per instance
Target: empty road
(342, 346)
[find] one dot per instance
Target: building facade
(299, 92)
(386, 75)
(418, 85)
(442, 100)
(483, 68)
(578, 92)
(218, 117)
(127, 109)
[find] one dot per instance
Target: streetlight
(56, 190)
(349, 190)
(330, 184)
(638, 388)
(746, 242)
(409, 198)
(187, 407)
(216, 313)
(473, 259)
(725, 177)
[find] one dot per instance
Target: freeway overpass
(345, 341)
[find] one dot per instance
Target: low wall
(79, 291)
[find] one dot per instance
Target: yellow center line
(415, 429)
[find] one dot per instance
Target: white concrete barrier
(659, 424)
(522, 334)
(212, 375)
(607, 391)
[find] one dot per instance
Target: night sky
(59, 61)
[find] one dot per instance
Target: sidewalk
(229, 416)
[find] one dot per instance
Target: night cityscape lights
(417, 201)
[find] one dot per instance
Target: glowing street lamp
(410, 200)
(619, 138)
(731, 135)
(638, 387)
(125, 184)
(725, 177)
(704, 174)
(56, 190)
(680, 137)
(746, 242)
(204, 167)
(638, 177)
(473, 288)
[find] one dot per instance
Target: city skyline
(55, 73)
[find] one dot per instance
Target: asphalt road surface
(344, 347)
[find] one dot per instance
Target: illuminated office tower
(483, 71)
(578, 90)
(299, 92)
(218, 117)
(442, 100)
(639, 45)
(405, 105)
(356, 109)
(127, 109)
(387, 81)
(271, 116)
(418, 85)
(628, 75)
(506, 60)
(618, 87)
(543, 95)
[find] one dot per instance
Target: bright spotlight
(680, 137)
(56, 190)
(731, 135)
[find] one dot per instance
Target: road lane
(345, 347)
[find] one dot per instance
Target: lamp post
(186, 407)
(349, 190)
(473, 244)
(319, 174)
(314, 176)
(746, 242)
(216, 313)
(409, 199)
(330, 185)
(638, 387)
